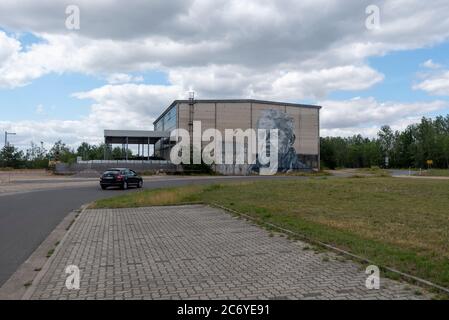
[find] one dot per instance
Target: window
(158, 125)
(170, 119)
(167, 122)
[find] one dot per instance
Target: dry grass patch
(158, 197)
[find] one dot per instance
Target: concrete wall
(244, 115)
(309, 136)
(75, 168)
(232, 170)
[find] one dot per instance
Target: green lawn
(434, 173)
(400, 223)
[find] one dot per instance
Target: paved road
(197, 252)
(27, 218)
(400, 173)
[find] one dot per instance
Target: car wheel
(140, 184)
(125, 185)
(103, 187)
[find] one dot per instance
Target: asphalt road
(26, 219)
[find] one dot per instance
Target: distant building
(298, 121)
(298, 125)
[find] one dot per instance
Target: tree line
(38, 157)
(420, 145)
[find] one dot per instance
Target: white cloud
(56, 54)
(431, 65)
(435, 84)
(49, 131)
(138, 104)
(308, 37)
(368, 131)
(8, 47)
(365, 115)
(319, 83)
(120, 78)
(126, 106)
(288, 84)
(40, 109)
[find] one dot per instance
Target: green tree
(36, 156)
(10, 156)
(118, 154)
(61, 152)
(328, 153)
(84, 151)
(386, 141)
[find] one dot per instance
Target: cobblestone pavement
(197, 252)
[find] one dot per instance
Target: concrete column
(126, 151)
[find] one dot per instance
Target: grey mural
(276, 119)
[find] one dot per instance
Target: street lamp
(6, 136)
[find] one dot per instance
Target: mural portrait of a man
(287, 157)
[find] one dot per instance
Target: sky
(127, 61)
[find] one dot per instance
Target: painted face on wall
(275, 119)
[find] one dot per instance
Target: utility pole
(6, 136)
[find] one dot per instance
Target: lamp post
(6, 136)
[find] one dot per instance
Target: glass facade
(168, 121)
(158, 125)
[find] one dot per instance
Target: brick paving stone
(198, 252)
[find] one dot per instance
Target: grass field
(434, 173)
(399, 223)
(375, 171)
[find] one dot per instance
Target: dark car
(120, 177)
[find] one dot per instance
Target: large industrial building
(298, 125)
(244, 114)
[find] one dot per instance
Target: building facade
(298, 126)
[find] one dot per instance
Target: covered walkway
(141, 138)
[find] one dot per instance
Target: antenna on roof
(191, 95)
